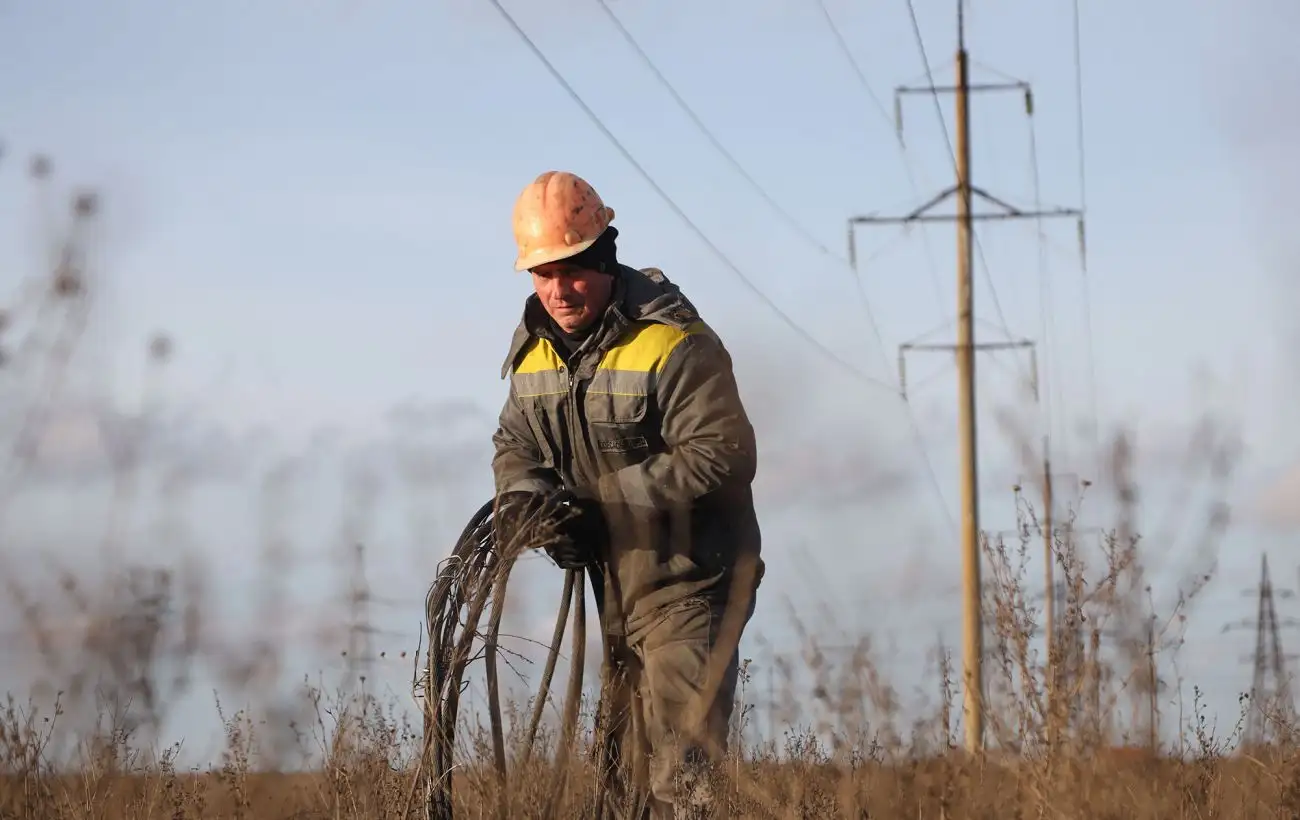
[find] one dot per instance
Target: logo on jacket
(622, 445)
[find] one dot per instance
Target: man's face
(574, 297)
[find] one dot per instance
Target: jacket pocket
(605, 407)
(617, 424)
(542, 413)
(677, 649)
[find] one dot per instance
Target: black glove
(580, 531)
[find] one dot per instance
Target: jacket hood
(644, 295)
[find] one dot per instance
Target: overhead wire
(1045, 382)
(807, 235)
(918, 437)
(865, 300)
(861, 74)
(848, 54)
(1083, 207)
(785, 318)
(717, 251)
(709, 135)
(789, 218)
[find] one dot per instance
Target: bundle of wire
(476, 573)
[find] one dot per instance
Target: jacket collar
(645, 296)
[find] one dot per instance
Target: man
(623, 402)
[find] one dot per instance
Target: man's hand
(580, 532)
(571, 529)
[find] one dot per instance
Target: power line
(929, 466)
(907, 166)
(668, 200)
(690, 112)
(853, 62)
(1083, 206)
(1078, 99)
(918, 438)
(735, 164)
(813, 342)
(1065, 647)
(1044, 282)
(865, 300)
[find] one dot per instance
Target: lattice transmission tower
(1271, 703)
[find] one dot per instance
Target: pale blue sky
(314, 199)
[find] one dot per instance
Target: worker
(623, 408)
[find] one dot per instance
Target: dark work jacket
(646, 417)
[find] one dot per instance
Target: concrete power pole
(964, 191)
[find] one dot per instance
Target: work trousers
(666, 668)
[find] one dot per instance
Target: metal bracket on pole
(986, 347)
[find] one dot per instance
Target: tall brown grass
(122, 647)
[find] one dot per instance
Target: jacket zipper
(571, 368)
(571, 421)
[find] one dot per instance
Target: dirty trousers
(666, 667)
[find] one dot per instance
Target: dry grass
(1057, 746)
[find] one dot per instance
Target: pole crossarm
(1017, 344)
(1008, 212)
(931, 90)
(922, 214)
(979, 347)
(1251, 623)
(1011, 85)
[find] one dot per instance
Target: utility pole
(1049, 582)
(1153, 688)
(973, 633)
(1056, 597)
(972, 583)
(964, 191)
(1092, 676)
(1062, 629)
(1143, 650)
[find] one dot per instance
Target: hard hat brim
(553, 255)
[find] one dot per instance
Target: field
(854, 760)
(1057, 749)
(367, 762)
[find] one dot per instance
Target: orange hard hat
(557, 216)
